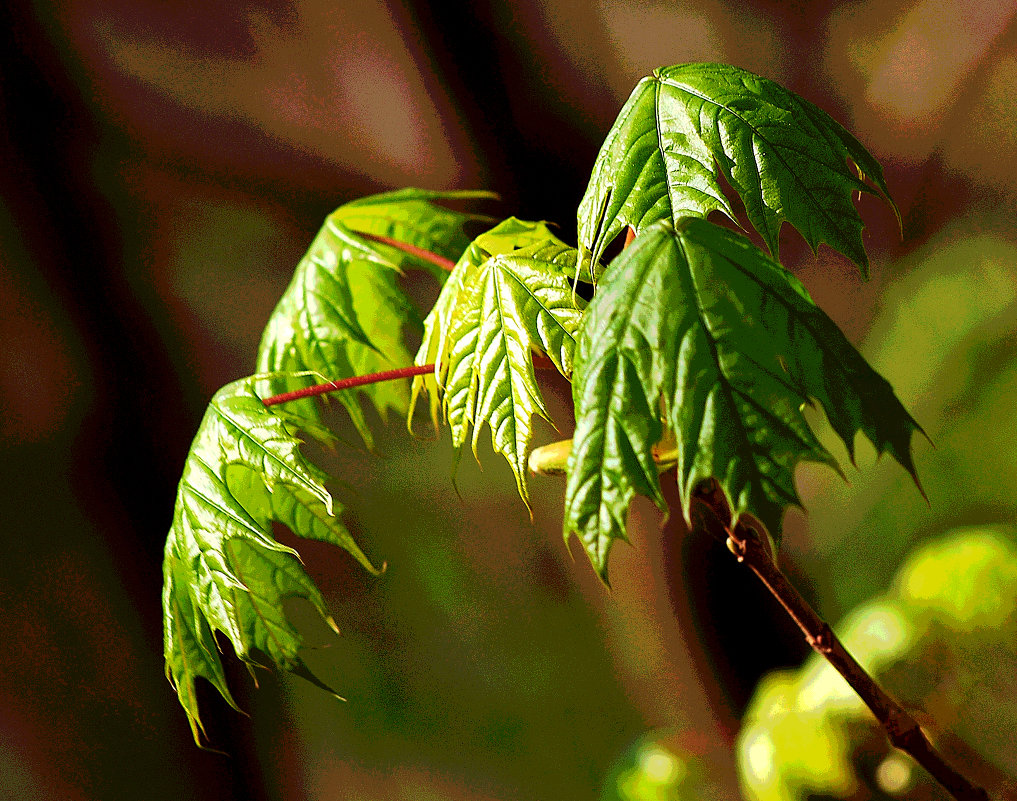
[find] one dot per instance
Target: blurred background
(164, 167)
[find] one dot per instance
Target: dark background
(163, 169)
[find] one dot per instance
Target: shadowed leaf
(343, 313)
(223, 570)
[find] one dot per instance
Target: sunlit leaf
(685, 126)
(343, 313)
(510, 294)
(223, 570)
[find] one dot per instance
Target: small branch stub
(550, 460)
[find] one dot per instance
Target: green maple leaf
(343, 313)
(696, 332)
(510, 293)
(223, 570)
(684, 126)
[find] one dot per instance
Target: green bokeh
(943, 642)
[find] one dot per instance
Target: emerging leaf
(223, 570)
(343, 313)
(699, 331)
(511, 293)
(686, 125)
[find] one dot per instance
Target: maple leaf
(685, 126)
(222, 568)
(510, 294)
(343, 313)
(696, 333)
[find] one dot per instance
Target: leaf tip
(300, 668)
(909, 464)
(900, 448)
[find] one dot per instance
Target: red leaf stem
(413, 250)
(539, 363)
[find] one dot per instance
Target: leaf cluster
(698, 350)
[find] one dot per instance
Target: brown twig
(751, 548)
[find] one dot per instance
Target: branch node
(902, 729)
(737, 547)
(823, 640)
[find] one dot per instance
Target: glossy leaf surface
(222, 569)
(510, 295)
(698, 333)
(685, 126)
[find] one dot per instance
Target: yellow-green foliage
(942, 641)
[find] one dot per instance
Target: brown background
(164, 166)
